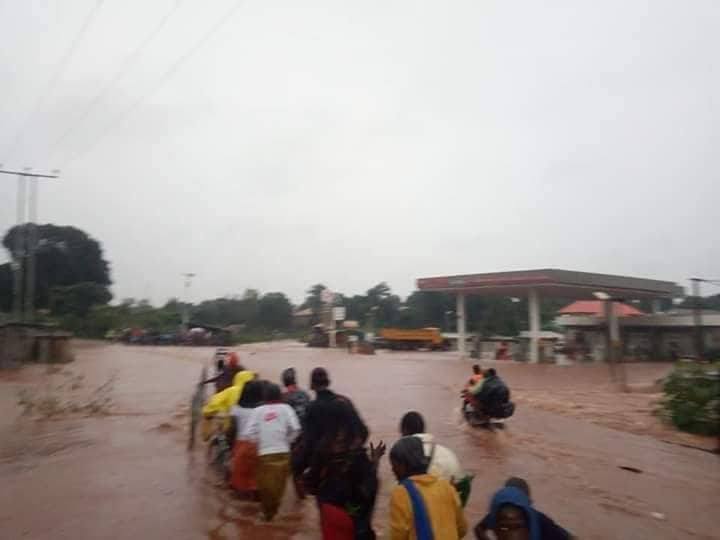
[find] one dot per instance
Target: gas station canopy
(534, 284)
(552, 282)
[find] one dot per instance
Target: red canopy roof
(596, 308)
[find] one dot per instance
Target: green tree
(77, 299)
(65, 256)
(488, 315)
(430, 309)
(229, 310)
(356, 308)
(384, 306)
(274, 311)
(314, 301)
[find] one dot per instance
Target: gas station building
(547, 282)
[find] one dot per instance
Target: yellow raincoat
(241, 378)
(221, 403)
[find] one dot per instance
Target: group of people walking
(322, 444)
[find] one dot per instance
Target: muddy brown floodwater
(128, 475)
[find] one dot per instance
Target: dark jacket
(299, 400)
(332, 426)
(540, 526)
(332, 420)
(494, 398)
(339, 471)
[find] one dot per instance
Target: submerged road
(129, 476)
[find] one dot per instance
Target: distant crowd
(322, 445)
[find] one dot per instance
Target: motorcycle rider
(476, 377)
(227, 366)
(494, 396)
(491, 397)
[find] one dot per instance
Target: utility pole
(371, 320)
(614, 352)
(18, 250)
(32, 242)
(333, 325)
(186, 300)
(697, 318)
(617, 368)
(25, 244)
(328, 299)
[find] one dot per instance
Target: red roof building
(596, 308)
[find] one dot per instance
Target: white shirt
(242, 417)
(444, 462)
(273, 427)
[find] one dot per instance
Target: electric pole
(32, 242)
(186, 300)
(697, 318)
(25, 243)
(18, 250)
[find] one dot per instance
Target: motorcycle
(477, 416)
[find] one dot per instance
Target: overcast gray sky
(355, 142)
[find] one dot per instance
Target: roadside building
(302, 318)
(494, 347)
(644, 336)
(22, 343)
(550, 344)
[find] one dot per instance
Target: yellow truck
(412, 339)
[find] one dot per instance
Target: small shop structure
(302, 318)
(23, 343)
(644, 336)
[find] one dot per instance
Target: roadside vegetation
(692, 398)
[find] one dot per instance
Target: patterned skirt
(244, 466)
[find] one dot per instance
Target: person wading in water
(422, 506)
(340, 471)
(299, 400)
(273, 426)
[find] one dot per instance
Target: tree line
(73, 289)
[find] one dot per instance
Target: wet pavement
(128, 475)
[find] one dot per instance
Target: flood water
(128, 475)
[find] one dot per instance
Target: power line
(55, 77)
(222, 21)
(27, 173)
(129, 60)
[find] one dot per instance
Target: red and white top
(273, 427)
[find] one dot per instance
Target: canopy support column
(460, 313)
(534, 313)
